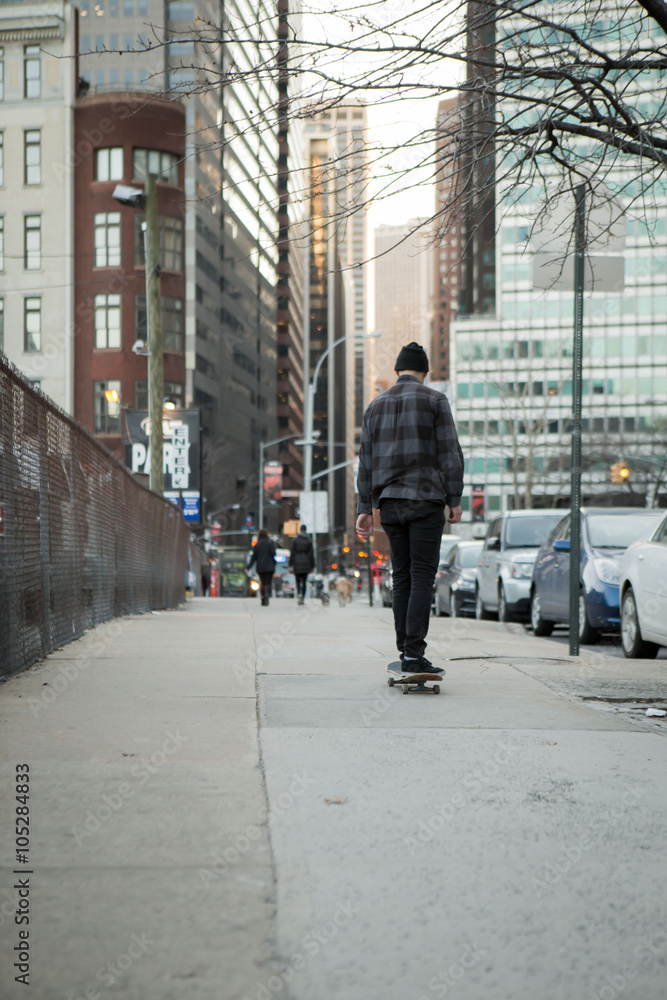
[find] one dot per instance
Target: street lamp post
(308, 438)
(147, 200)
(262, 446)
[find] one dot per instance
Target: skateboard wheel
(390, 681)
(436, 689)
(405, 689)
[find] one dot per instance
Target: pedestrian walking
(264, 557)
(411, 467)
(205, 578)
(302, 561)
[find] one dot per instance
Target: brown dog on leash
(344, 591)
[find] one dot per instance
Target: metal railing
(80, 540)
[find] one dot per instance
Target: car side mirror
(562, 545)
(494, 543)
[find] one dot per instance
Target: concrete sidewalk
(501, 840)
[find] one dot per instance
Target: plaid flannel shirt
(409, 448)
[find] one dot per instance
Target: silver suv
(506, 563)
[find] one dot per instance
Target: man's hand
(365, 525)
(454, 515)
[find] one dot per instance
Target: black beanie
(412, 358)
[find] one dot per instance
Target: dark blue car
(606, 533)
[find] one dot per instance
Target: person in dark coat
(264, 556)
(302, 561)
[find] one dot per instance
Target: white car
(643, 595)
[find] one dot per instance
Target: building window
(171, 242)
(32, 258)
(32, 324)
(32, 71)
(33, 157)
(2, 324)
(2, 74)
(107, 239)
(172, 391)
(107, 407)
(2, 242)
(107, 321)
(152, 161)
(172, 322)
(109, 164)
(2, 159)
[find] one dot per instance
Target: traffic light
(619, 472)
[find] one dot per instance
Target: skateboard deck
(416, 682)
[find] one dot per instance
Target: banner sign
(478, 502)
(273, 482)
(181, 456)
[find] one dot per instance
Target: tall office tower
(513, 370)
(291, 241)
(349, 124)
(403, 293)
(449, 248)
(230, 221)
(327, 323)
(475, 114)
(37, 90)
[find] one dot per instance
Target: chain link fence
(80, 540)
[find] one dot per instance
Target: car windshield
(469, 556)
(617, 531)
(529, 532)
(446, 546)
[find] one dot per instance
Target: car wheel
(437, 607)
(634, 647)
(481, 614)
(503, 613)
(587, 634)
(541, 627)
(453, 606)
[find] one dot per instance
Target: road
(310, 833)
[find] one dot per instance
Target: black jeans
(265, 582)
(301, 580)
(414, 529)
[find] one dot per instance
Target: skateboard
(415, 681)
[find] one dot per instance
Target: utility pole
(154, 321)
(577, 362)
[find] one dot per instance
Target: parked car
(506, 563)
(643, 595)
(606, 532)
(447, 542)
(455, 580)
(386, 581)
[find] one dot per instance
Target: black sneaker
(419, 666)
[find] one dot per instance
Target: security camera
(138, 346)
(132, 197)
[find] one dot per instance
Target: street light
(146, 198)
(308, 438)
(262, 446)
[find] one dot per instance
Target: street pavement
(228, 803)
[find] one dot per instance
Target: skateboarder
(410, 466)
(302, 561)
(264, 555)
